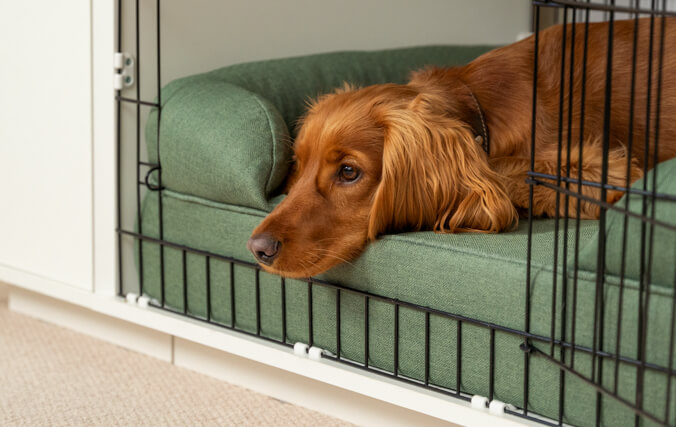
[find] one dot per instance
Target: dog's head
(381, 159)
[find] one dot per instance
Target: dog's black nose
(264, 247)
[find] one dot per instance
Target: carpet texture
(53, 376)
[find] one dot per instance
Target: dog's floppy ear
(435, 176)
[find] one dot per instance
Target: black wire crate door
(615, 293)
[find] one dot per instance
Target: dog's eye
(348, 173)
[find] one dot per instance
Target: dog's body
(389, 158)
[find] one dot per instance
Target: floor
(57, 377)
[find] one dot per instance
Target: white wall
(201, 35)
(45, 139)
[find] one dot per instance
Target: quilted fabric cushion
(226, 135)
(663, 264)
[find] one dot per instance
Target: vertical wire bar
(138, 149)
(427, 348)
(583, 94)
(600, 260)
(396, 339)
(258, 302)
(283, 310)
(309, 311)
(644, 211)
(208, 275)
(491, 366)
(232, 295)
(564, 264)
(458, 358)
(529, 249)
(338, 340)
(185, 281)
(366, 331)
(118, 165)
(651, 229)
(160, 202)
(627, 184)
(555, 265)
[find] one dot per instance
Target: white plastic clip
(118, 60)
(300, 349)
(315, 353)
(143, 301)
(131, 298)
(497, 407)
(479, 402)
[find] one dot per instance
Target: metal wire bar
(310, 316)
(627, 189)
(599, 306)
(233, 310)
(458, 360)
(284, 335)
(139, 219)
(557, 203)
(529, 244)
(338, 340)
(160, 203)
(601, 7)
(583, 93)
(625, 223)
(642, 313)
(427, 348)
(137, 101)
(603, 204)
(396, 339)
(118, 162)
(258, 302)
(185, 281)
(366, 331)
(207, 272)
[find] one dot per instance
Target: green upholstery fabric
(478, 276)
(225, 135)
(663, 265)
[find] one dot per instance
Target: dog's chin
(298, 271)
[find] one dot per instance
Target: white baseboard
(349, 406)
(115, 331)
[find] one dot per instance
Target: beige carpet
(53, 376)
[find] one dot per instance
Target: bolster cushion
(663, 264)
(226, 135)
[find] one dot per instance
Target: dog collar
(481, 139)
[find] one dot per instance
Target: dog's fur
(421, 168)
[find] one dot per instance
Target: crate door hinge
(123, 66)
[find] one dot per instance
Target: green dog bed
(225, 148)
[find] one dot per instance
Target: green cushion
(225, 135)
(478, 276)
(663, 265)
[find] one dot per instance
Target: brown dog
(389, 158)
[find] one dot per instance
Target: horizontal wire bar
(464, 319)
(152, 165)
(602, 204)
(658, 196)
(137, 101)
(577, 4)
(444, 390)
